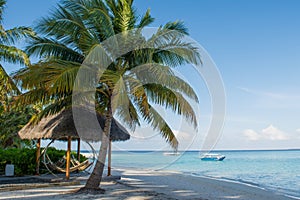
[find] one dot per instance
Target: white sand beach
(146, 184)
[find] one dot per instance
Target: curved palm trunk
(95, 178)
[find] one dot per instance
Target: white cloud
(298, 130)
(252, 135)
(273, 133)
(269, 133)
(183, 136)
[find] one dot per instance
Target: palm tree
(68, 37)
(10, 54)
(8, 89)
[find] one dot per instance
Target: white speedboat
(212, 157)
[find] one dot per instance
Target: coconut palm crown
(73, 30)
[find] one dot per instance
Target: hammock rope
(58, 166)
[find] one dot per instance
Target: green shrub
(24, 159)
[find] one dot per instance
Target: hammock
(59, 165)
(76, 165)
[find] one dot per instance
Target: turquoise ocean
(277, 171)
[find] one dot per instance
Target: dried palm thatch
(62, 125)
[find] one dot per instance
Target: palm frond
(29, 77)
(177, 26)
(122, 105)
(102, 22)
(156, 121)
(171, 48)
(61, 76)
(2, 6)
(47, 81)
(45, 48)
(68, 27)
(137, 92)
(13, 35)
(96, 15)
(177, 53)
(7, 85)
(32, 97)
(13, 55)
(171, 99)
(146, 20)
(163, 75)
(124, 15)
(51, 109)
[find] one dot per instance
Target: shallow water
(278, 171)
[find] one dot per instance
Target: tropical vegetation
(76, 28)
(10, 123)
(11, 120)
(24, 159)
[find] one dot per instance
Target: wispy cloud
(269, 133)
(274, 100)
(273, 95)
(239, 119)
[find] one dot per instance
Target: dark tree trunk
(68, 158)
(95, 178)
(109, 158)
(38, 155)
(78, 152)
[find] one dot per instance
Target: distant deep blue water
(273, 170)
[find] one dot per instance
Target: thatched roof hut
(62, 125)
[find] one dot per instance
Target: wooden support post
(78, 151)
(38, 155)
(68, 158)
(109, 159)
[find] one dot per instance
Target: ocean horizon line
(194, 150)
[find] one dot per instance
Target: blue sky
(256, 46)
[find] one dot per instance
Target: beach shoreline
(187, 186)
(150, 184)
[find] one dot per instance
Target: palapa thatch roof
(62, 125)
